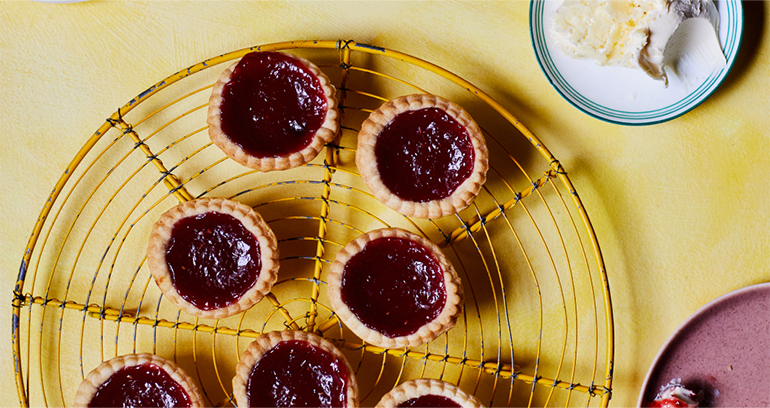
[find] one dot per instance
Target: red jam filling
(273, 105)
(430, 400)
(672, 402)
(213, 259)
(394, 286)
(296, 373)
(144, 385)
(424, 155)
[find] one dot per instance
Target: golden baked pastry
(422, 156)
(425, 392)
(213, 257)
(394, 289)
(272, 111)
(294, 369)
(139, 380)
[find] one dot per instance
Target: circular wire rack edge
(500, 369)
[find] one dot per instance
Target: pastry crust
(429, 331)
(366, 160)
(104, 371)
(324, 135)
(267, 341)
(425, 386)
(268, 248)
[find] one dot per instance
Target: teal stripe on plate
(732, 44)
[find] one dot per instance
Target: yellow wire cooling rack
(537, 327)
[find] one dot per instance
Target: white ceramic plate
(621, 95)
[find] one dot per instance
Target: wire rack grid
(537, 327)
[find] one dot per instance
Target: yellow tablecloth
(680, 208)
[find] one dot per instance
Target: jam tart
(138, 380)
(425, 392)
(213, 257)
(294, 369)
(272, 111)
(394, 289)
(422, 156)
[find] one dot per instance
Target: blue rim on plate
(730, 34)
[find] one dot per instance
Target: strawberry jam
(430, 400)
(213, 259)
(273, 105)
(672, 402)
(424, 155)
(394, 286)
(296, 373)
(143, 385)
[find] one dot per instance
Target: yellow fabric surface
(679, 209)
